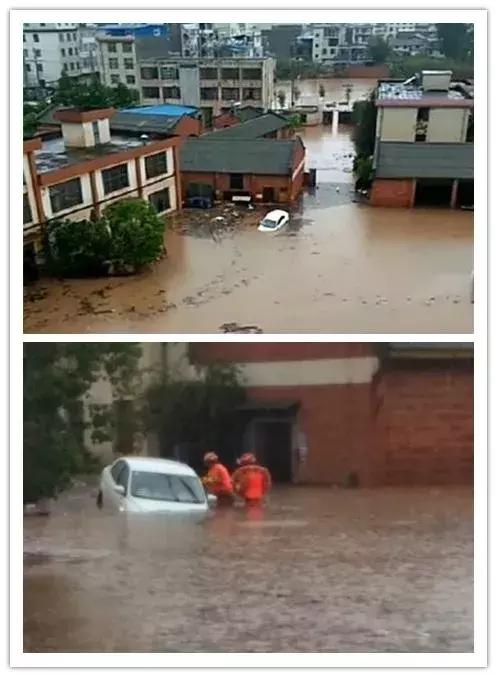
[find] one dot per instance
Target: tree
(137, 233)
(456, 40)
(72, 92)
(197, 413)
(378, 50)
(77, 248)
(122, 96)
(30, 125)
(56, 378)
(281, 98)
(364, 118)
(405, 67)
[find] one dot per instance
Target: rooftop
(145, 124)
(168, 109)
(55, 155)
(393, 93)
(251, 129)
(238, 156)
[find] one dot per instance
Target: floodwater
(336, 90)
(322, 570)
(340, 266)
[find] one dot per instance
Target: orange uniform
(251, 482)
(218, 481)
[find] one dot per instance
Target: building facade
(118, 61)
(424, 143)
(75, 177)
(49, 50)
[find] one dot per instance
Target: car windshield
(269, 223)
(160, 487)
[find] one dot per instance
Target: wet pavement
(386, 570)
(340, 266)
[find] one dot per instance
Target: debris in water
(234, 327)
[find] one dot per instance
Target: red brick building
(355, 413)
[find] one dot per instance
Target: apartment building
(88, 49)
(424, 142)
(76, 176)
(118, 61)
(214, 85)
(48, 51)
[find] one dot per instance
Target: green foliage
(194, 411)
(363, 170)
(405, 67)
(56, 378)
(30, 125)
(72, 92)
(137, 233)
(364, 118)
(295, 120)
(456, 40)
(378, 50)
(129, 236)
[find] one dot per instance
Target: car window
(282, 218)
(116, 469)
(160, 487)
(123, 477)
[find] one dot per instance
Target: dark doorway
(268, 194)
(30, 266)
(465, 195)
(433, 192)
(274, 448)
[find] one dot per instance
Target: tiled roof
(251, 129)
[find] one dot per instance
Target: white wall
(81, 212)
(29, 189)
(447, 125)
(112, 197)
(398, 124)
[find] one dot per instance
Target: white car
(274, 221)
(141, 484)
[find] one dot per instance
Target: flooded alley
(323, 570)
(340, 266)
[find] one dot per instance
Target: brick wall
(225, 120)
(284, 189)
(392, 193)
(188, 126)
(424, 423)
(204, 353)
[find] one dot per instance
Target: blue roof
(169, 109)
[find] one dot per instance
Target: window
(36, 37)
(150, 92)
(127, 47)
(23, 37)
(62, 51)
(230, 74)
(76, 50)
(37, 52)
(251, 93)
(113, 64)
(111, 47)
(129, 64)
(230, 93)
(171, 93)
(71, 66)
(155, 165)
(68, 37)
(25, 53)
(422, 118)
(116, 469)
(251, 74)
(26, 209)
(96, 132)
(123, 477)
(39, 68)
(69, 51)
(115, 178)
(150, 73)
(114, 79)
(236, 181)
(156, 486)
(209, 94)
(208, 73)
(160, 200)
(61, 37)
(28, 68)
(130, 80)
(169, 73)
(65, 195)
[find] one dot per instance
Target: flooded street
(339, 266)
(318, 570)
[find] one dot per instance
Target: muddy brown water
(340, 266)
(317, 570)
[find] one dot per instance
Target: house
(424, 142)
(267, 126)
(264, 170)
(234, 115)
(76, 176)
(159, 121)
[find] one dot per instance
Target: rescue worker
(251, 481)
(217, 481)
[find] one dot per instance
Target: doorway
(433, 192)
(268, 194)
(465, 194)
(274, 448)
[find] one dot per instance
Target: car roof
(160, 465)
(276, 214)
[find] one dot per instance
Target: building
(136, 29)
(88, 49)
(118, 62)
(261, 170)
(267, 126)
(414, 44)
(158, 121)
(280, 40)
(424, 143)
(75, 177)
(235, 115)
(48, 51)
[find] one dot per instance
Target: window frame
(165, 190)
(107, 179)
(153, 163)
(54, 194)
(26, 205)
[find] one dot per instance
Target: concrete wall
(447, 125)
(398, 124)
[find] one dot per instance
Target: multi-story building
(48, 51)
(76, 176)
(88, 49)
(198, 40)
(424, 142)
(117, 60)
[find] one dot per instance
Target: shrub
(77, 248)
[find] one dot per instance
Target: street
(340, 266)
(320, 569)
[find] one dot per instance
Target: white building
(48, 51)
(117, 60)
(88, 49)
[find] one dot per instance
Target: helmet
(211, 457)
(247, 459)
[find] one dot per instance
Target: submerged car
(274, 221)
(141, 484)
